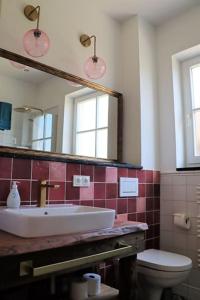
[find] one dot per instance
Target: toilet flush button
(128, 187)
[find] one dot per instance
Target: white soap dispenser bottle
(13, 200)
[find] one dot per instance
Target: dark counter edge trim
(71, 160)
(188, 169)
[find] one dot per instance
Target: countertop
(11, 245)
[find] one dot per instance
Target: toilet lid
(164, 261)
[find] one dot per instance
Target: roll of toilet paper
(94, 283)
(182, 221)
(79, 289)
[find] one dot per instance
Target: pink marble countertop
(13, 245)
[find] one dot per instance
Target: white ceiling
(32, 75)
(155, 11)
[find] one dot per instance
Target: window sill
(49, 156)
(188, 169)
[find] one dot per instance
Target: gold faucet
(43, 192)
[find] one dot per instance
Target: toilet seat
(164, 261)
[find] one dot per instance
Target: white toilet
(160, 269)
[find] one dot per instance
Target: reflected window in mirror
(91, 125)
(44, 128)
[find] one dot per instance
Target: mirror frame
(64, 75)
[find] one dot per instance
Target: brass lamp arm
(33, 13)
(86, 42)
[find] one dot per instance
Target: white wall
(19, 93)
(65, 21)
(175, 36)
(112, 128)
(131, 91)
(178, 112)
(141, 145)
(148, 96)
(51, 93)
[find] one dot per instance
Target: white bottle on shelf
(13, 200)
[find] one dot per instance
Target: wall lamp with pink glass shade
(94, 67)
(36, 42)
(17, 65)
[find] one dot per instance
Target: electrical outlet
(76, 180)
(81, 181)
(86, 181)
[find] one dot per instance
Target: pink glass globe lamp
(36, 42)
(94, 67)
(17, 65)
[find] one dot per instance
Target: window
(191, 90)
(43, 136)
(91, 125)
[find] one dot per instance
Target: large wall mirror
(44, 109)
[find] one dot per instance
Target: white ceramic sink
(36, 222)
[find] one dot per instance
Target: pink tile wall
(103, 191)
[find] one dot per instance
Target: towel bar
(26, 267)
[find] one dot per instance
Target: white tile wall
(178, 195)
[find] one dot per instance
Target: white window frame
(75, 131)
(52, 138)
(191, 159)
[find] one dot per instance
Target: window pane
(102, 111)
(48, 125)
(38, 127)
(38, 145)
(102, 143)
(195, 72)
(196, 118)
(85, 144)
(47, 145)
(86, 115)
